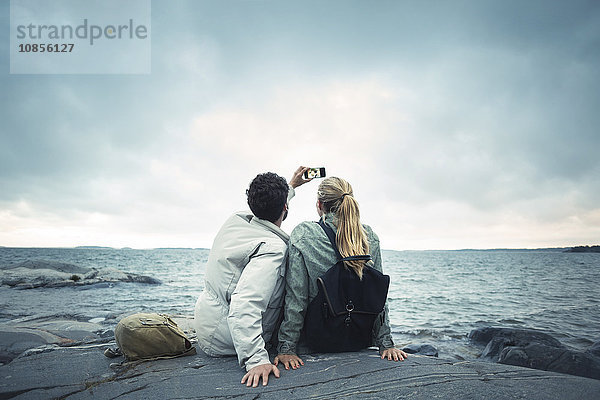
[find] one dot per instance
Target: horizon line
(92, 247)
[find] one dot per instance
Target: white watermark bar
(80, 37)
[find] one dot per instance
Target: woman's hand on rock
(288, 360)
(394, 354)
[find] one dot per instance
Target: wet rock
(555, 359)
(421, 349)
(595, 349)
(495, 339)
(534, 349)
(142, 279)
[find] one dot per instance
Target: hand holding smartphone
(314, 173)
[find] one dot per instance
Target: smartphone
(314, 173)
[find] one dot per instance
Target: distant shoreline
(584, 249)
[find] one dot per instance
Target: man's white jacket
(243, 291)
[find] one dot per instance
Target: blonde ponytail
(336, 196)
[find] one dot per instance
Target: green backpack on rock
(151, 336)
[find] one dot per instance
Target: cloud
(471, 124)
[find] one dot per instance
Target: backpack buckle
(349, 308)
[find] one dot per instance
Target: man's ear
(284, 212)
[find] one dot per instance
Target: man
(241, 304)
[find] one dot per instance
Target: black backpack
(342, 316)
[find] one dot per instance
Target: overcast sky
(460, 124)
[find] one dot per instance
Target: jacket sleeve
(382, 333)
(249, 301)
(296, 302)
(291, 193)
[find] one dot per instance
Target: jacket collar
(330, 219)
(268, 225)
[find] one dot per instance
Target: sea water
(435, 297)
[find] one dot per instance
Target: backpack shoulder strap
(331, 235)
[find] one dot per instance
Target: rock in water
(539, 356)
(51, 265)
(595, 349)
(42, 273)
(495, 339)
(534, 349)
(421, 349)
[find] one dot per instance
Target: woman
(311, 255)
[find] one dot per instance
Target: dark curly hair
(267, 195)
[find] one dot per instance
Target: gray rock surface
(40, 273)
(84, 373)
(534, 349)
(81, 371)
(18, 336)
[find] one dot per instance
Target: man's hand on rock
(298, 179)
(264, 370)
(289, 360)
(393, 354)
